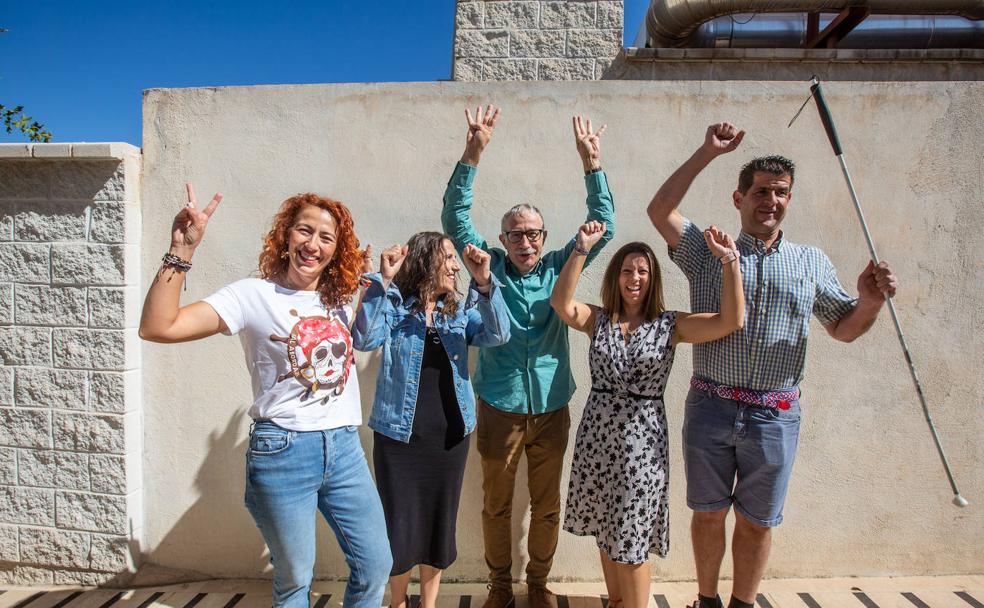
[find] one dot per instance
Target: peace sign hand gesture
(480, 129)
(188, 227)
(588, 143)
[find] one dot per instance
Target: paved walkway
(905, 592)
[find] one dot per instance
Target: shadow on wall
(219, 515)
(220, 483)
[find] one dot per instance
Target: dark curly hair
(420, 273)
(340, 277)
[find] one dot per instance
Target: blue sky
(80, 67)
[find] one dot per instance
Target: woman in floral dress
(618, 482)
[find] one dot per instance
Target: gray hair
(520, 209)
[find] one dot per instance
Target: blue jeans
(289, 475)
(738, 453)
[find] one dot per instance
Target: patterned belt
(767, 399)
(625, 393)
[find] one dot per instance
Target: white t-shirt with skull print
(299, 354)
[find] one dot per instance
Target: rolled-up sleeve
(691, 253)
(831, 302)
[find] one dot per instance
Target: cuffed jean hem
(711, 506)
(765, 523)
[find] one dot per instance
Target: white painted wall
(868, 495)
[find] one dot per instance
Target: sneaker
(499, 597)
(540, 597)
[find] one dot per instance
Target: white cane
(828, 125)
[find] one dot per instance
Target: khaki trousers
(502, 438)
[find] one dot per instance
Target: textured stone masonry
(536, 40)
(6, 303)
(70, 425)
(46, 387)
(8, 466)
(111, 392)
(6, 386)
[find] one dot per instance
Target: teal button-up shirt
(532, 372)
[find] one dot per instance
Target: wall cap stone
(82, 150)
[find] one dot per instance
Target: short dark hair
(775, 164)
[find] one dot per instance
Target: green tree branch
(14, 118)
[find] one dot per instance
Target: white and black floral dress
(620, 474)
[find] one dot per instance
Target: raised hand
(367, 265)
(722, 138)
(719, 242)
(589, 234)
(188, 227)
(480, 129)
(877, 282)
(478, 262)
(390, 261)
(588, 143)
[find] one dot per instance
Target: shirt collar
(747, 241)
(411, 300)
(515, 271)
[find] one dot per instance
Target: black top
(437, 418)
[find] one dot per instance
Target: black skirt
(420, 482)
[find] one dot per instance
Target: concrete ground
(903, 592)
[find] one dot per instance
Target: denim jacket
(386, 319)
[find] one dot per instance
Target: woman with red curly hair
(293, 321)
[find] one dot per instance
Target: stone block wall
(70, 421)
(536, 40)
(582, 40)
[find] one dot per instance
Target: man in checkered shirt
(742, 414)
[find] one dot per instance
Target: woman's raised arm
(163, 319)
(705, 327)
(577, 315)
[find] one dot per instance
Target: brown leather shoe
(541, 597)
(499, 597)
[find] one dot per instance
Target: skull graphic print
(319, 350)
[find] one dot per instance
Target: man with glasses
(523, 386)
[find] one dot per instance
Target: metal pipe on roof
(789, 30)
(673, 23)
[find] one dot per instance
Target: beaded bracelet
(183, 266)
(172, 261)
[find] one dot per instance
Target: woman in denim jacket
(424, 407)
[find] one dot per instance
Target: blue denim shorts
(738, 453)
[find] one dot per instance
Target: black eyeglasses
(516, 236)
